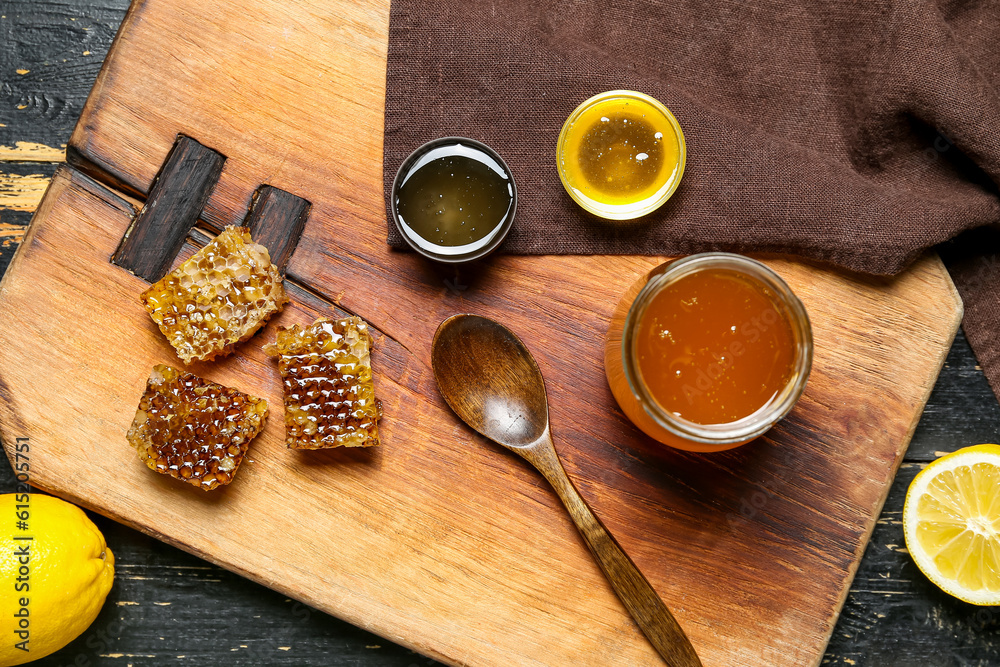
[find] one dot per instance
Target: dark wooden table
(169, 607)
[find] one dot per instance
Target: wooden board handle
(176, 199)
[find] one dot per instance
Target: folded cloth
(859, 134)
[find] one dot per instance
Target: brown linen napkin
(854, 133)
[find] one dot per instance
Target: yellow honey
(217, 298)
(621, 155)
(329, 394)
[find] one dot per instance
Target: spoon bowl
(491, 381)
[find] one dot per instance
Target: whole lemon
(55, 571)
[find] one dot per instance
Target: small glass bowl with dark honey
(708, 352)
(453, 200)
(621, 154)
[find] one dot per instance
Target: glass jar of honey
(707, 352)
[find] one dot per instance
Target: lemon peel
(60, 576)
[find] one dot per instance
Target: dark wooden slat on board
(276, 220)
(175, 201)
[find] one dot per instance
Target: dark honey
(708, 352)
(454, 199)
(193, 429)
(715, 346)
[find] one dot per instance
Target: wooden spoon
(492, 382)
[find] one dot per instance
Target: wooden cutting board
(437, 539)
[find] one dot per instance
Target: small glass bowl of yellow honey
(708, 352)
(621, 154)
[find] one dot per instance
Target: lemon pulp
(952, 523)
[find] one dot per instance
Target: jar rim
(751, 426)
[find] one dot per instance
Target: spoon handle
(631, 586)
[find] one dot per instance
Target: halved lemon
(951, 521)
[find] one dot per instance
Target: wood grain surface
(944, 425)
(753, 549)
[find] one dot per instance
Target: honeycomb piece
(193, 429)
(329, 396)
(217, 298)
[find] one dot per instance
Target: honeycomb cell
(217, 298)
(329, 395)
(193, 429)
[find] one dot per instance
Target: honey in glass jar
(708, 352)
